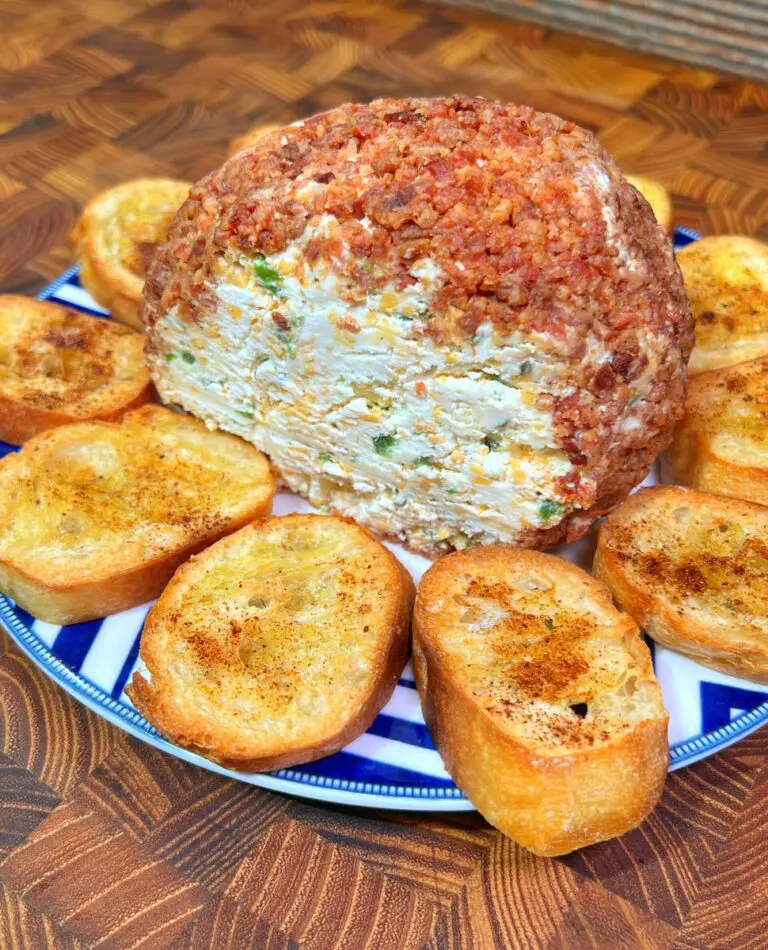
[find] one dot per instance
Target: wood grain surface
(731, 35)
(106, 842)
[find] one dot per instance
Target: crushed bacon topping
(507, 202)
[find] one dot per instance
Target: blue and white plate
(395, 764)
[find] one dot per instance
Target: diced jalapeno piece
(384, 444)
(267, 276)
(550, 509)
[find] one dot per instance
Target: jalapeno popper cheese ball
(450, 319)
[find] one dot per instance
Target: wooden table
(103, 840)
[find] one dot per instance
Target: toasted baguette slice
(116, 236)
(96, 516)
(59, 366)
(540, 696)
(726, 278)
(692, 569)
(251, 137)
(657, 197)
(278, 645)
(721, 445)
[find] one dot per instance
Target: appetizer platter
(394, 765)
(446, 333)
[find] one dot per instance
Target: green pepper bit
(288, 342)
(267, 276)
(384, 444)
(550, 509)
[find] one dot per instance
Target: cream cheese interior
(360, 411)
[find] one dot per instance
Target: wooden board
(732, 36)
(104, 841)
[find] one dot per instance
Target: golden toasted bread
(721, 445)
(96, 516)
(116, 236)
(251, 137)
(726, 278)
(657, 197)
(59, 366)
(692, 569)
(278, 645)
(540, 696)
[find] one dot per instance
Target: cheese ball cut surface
(449, 319)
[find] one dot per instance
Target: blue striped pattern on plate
(395, 764)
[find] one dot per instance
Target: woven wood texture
(106, 842)
(731, 35)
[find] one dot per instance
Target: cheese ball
(450, 319)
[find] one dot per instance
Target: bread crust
(728, 401)
(113, 290)
(549, 799)
(68, 590)
(51, 359)
(19, 423)
(78, 599)
(726, 278)
(114, 238)
(696, 465)
(727, 646)
(236, 748)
